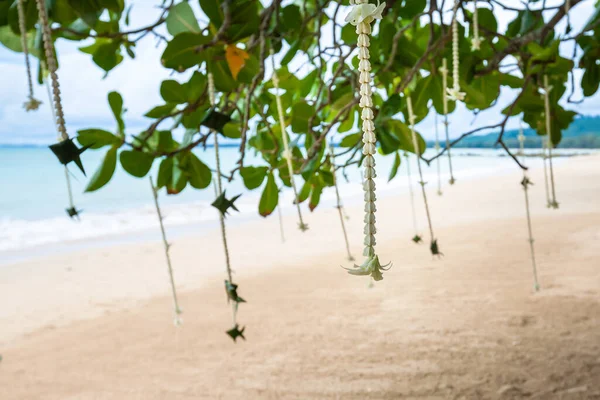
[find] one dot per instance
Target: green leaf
(160, 111)
(591, 79)
(212, 9)
(116, 105)
(269, 197)
(97, 138)
(301, 114)
(165, 172)
(351, 140)
(181, 18)
(395, 166)
(173, 92)
(199, 175)
(224, 81)
(315, 195)
(232, 130)
(105, 172)
(253, 176)
(107, 56)
(136, 163)
(181, 53)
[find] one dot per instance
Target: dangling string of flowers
(280, 225)
(51, 63)
(437, 150)
(547, 88)
(416, 238)
(361, 16)
(32, 103)
(286, 146)
(454, 93)
(476, 40)
(177, 320)
(230, 287)
(521, 138)
(444, 71)
(339, 205)
(411, 118)
(525, 183)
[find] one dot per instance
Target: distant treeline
(584, 133)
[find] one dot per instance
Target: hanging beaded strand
(339, 205)
(437, 150)
(549, 143)
(230, 287)
(32, 103)
(444, 71)
(416, 238)
(411, 119)
(476, 40)
(286, 146)
(51, 63)
(361, 16)
(167, 246)
(525, 183)
(454, 93)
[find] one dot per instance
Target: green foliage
(320, 98)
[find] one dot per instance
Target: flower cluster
(454, 93)
(361, 16)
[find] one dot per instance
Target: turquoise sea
(34, 196)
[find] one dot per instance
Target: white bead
(363, 53)
(369, 218)
(370, 197)
(368, 125)
(369, 184)
(369, 240)
(370, 208)
(366, 101)
(365, 77)
(369, 161)
(369, 148)
(367, 113)
(364, 65)
(363, 40)
(365, 90)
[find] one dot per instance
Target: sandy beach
(97, 323)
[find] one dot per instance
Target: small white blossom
(475, 44)
(365, 13)
(455, 94)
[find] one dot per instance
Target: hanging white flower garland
(361, 16)
(547, 88)
(454, 93)
(287, 153)
(476, 40)
(444, 71)
(32, 103)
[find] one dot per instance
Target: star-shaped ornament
(232, 295)
(475, 44)
(73, 212)
(417, 239)
(236, 332)
(435, 250)
(32, 104)
(365, 13)
(455, 94)
(223, 204)
(66, 151)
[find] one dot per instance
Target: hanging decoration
(167, 246)
(444, 71)
(549, 142)
(476, 40)
(65, 150)
(437, 161)
(454, 93)
(223, 204)
(32, 103)
(521, 138)
(286, 146)
(339, 205)
(361, 16)
(525, 183)
(435, 250)
(417, 237)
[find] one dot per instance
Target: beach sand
(97, 323)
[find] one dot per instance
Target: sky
(84, 87)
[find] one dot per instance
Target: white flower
(365, 13)
(475, 44)
(455, 94)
